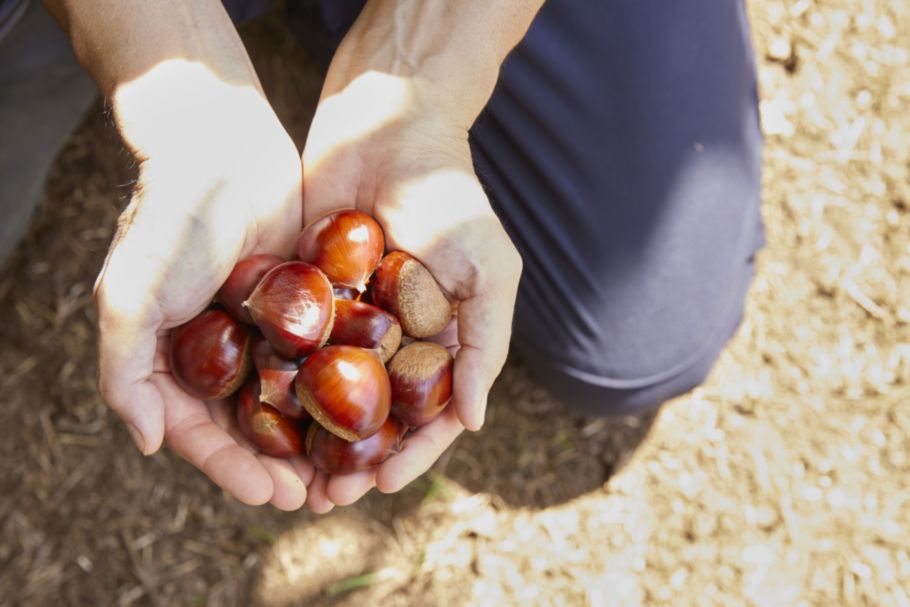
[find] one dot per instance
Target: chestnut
(366, 296)
(210, 355)
(361, 324)
(347, 245)
(346, 389)
(342, 292)
(421, 378)
(293, 307)
(241, 282)
(404, 286)
(271, 432)
(335, 455)
(406, 340)
(276, 376)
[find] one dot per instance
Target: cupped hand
(219, 180)
(379, 143)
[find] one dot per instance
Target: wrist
(181, 110)
(451, 53)
(170, 70)
(119, 41)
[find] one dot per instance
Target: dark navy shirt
(10, 12)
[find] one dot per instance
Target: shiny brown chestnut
(343, 292)
(367, 326)
(276, 376)
(271, 432)
(241, 281)
(335, 455)
(347, 245)
(210, 355)
(293, 307)
(421, 378)
(404, 286)
(346, 389)
(367, 296)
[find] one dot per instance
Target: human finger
(194, 435)
(317, 499)
(289, 479)
(419, 452)
(484, 330)
(345, 489)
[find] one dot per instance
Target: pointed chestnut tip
(293, 306)
(241, 282)
(276, 375)
(346, 244)
(265, 426)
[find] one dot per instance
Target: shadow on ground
(535, 453)
(84, 519)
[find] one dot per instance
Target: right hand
(219, 180)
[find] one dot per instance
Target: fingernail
(137, 437)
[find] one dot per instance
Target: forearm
(117, 41)
(163, 65)
(456, 46)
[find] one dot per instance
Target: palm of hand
(194, 217)
(177, 241)
(417, 179)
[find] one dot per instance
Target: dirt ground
(784, 480)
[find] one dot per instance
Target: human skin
(390, 136)
(219, 180)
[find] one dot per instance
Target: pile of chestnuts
(323, 354)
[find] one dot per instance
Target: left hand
(379, 145)
(390, 137)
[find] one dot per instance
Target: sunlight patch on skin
(189, 144)
(420, 226)
(160, 97)
(347, 119)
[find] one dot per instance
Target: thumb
(127, 360)
(130, 319)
